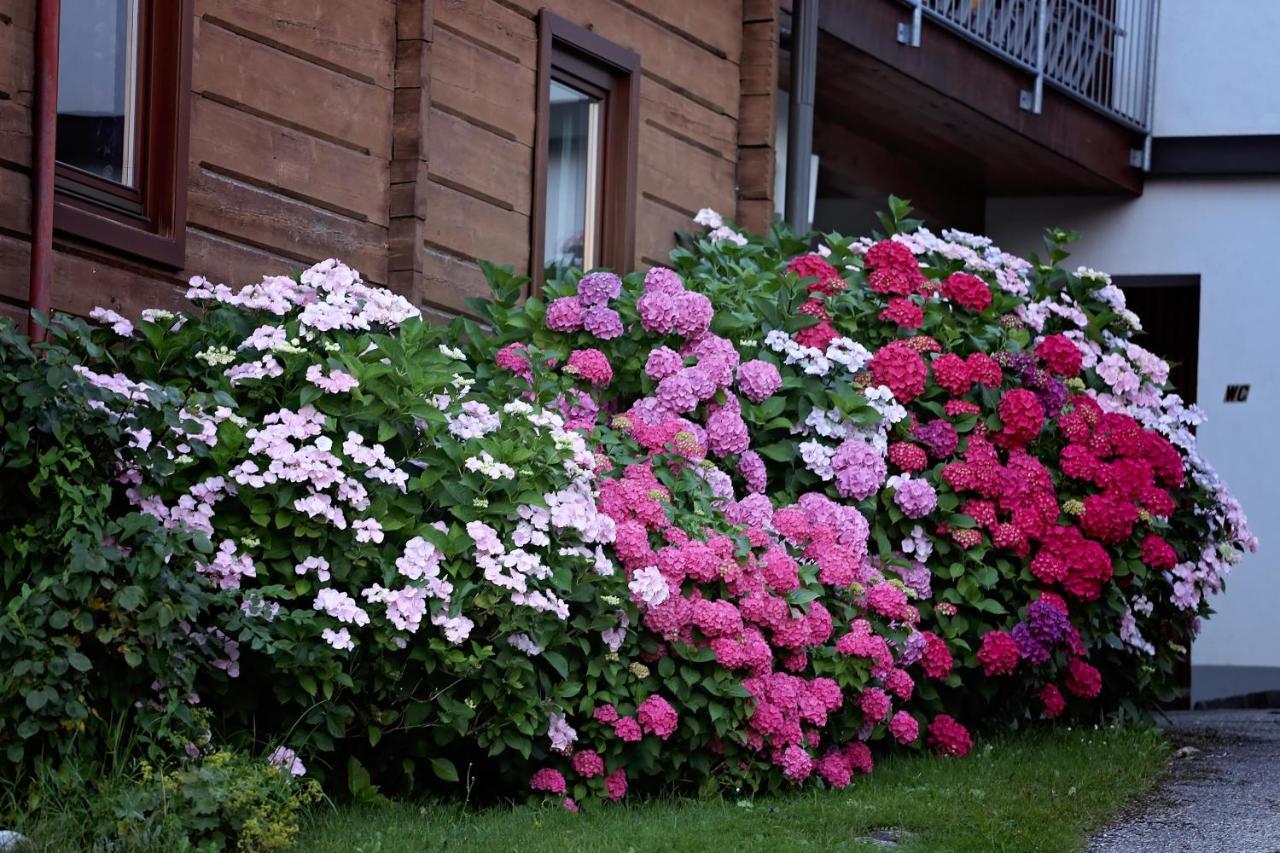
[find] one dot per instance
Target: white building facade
(1209, 213)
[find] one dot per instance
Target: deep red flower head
(1051, 698)
(936, 660)
(1022, 416)
(1157, 553)
(1083, 679)
(952, 373)
(998, 653)
(1108, 517)
(901, 368)
(890, 254)
(908, 456)
(985, 370)
(826, 278)
(967, 291)
(948, 737)
(818, 337)
(814, 307)
(1060, 356)
(903, 312)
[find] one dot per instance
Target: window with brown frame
(584, 151)
(124, 74)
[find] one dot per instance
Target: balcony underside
(941, 124)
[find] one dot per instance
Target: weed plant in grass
(1039, 791)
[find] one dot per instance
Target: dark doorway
(1169, 306)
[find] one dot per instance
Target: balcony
(1100, 52)
(950, 102)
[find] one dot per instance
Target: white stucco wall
(1217, 68)
(1225, 231)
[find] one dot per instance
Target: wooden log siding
(396, 135)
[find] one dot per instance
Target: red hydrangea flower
(814, 307)
(657, 717)
(936, 660)
(985, 370)
(967, 291)
(1108, 518)
(1157, 553)
(948, 737)
(818, 337)
(924, 344)
(615, 784)
(1083, 679)
(903, 312)
(908, 456)
(998, 654)
(1022, 416)
(592, 365)
(901, 368)
(1060, 355)
(549, 780)
(826, 279)
(957, 408)
(952, 373)
(890, 254)
(894, 281)
(1051, 698)
(588, 763)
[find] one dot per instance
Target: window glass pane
(573, 177)
(97, 87)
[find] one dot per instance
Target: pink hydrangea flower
(904, 727)
(758, 380)
(565, 314)
(657, 717)
(592, 365)
(549, 780)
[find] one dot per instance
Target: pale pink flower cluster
(228, 567)
(334, 382)
(118, 324)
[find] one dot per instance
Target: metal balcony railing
(1100, 52)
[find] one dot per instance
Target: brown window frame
(148, 221)
(577, 57)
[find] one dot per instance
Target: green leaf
(558, 661)
(444, 769)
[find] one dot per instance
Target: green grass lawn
(1040, 791)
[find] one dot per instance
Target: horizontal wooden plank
(687, 118)
(682, 175)
(447, 281)
(755, 173)
(756, 124)
(676, 61)
(15, 132)
(297, 92)
(759, 10)
(356, 35)
(294, 229)
(15, 201)
(299, 165)
(489, 165)
(760, 58)
(220, 259)
(80, 282)
(17, 61)
(493, 25)
(470, 228)
(656, 225)
(755, 215)
(715, 23)
(495, 92)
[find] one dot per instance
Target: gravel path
(1222, 794)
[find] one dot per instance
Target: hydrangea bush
(733, 524)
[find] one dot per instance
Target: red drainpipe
(46, 117)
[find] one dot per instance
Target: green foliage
(97, 598)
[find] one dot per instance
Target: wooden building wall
(394, 134)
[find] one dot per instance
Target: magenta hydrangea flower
(693, 314)
(657, 311)
(588, 763)
(916, 497)
(615, 784)
(676, 393)
(796, 764)
(662, 280)
(549, 780)
(859, 469)
(598, 288)
(727, 432)
(592, 365)
(752, 469)
(604, 323)
(758, 380)
(657, 717)
(662, 362)
(904, 728)
(875, 705)
(565, 314)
